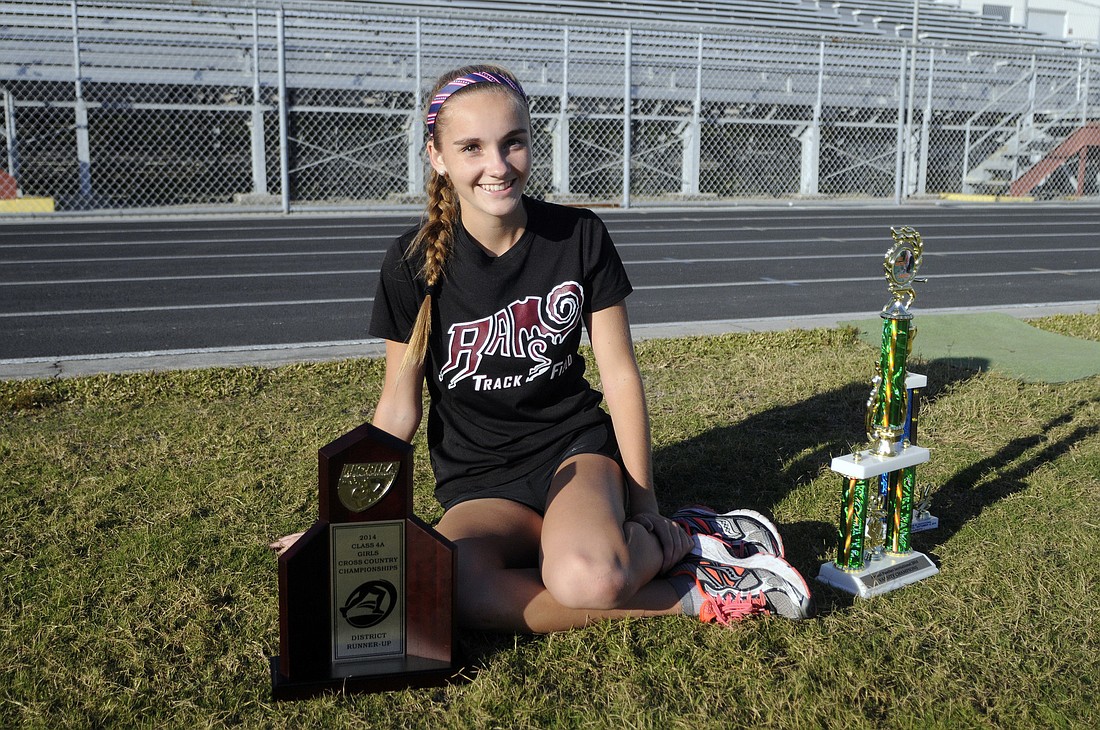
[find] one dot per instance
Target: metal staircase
(1019, 152)
(1075, 148)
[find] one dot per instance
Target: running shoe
(744, 531)
(733, 588)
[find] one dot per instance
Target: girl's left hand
(674, 540)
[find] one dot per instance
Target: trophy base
(364, 677)
(922, 524)
(879, 576)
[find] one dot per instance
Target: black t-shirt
(504, 375)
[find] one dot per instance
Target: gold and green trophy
(877, 490)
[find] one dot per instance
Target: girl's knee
(579, 581)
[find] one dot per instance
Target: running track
(88, 295)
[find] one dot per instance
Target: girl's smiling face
(483, 146)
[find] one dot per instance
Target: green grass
(136, 589)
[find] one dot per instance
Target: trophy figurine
(875, 528)
(877, 496)
(923, 519)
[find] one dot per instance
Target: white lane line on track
(310, 235)
(790, 282)
(193, 351)
(189, 277)
(190, 257)
(187, 241)
(641, 262)
(715, 285)
(186, 307)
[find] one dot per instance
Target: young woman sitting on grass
(548, 499)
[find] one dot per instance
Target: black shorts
(531, 490)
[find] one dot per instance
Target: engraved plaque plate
(882, 576)
(368, 591)
(904, 570)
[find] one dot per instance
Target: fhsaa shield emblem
(361, 485)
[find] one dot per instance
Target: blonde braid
(433, 242)
(435, 238)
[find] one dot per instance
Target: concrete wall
(1082, 17)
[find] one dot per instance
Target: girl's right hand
(674, 540)
(283, 544)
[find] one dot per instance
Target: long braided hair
(433, 243)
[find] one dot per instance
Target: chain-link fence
(131, 106)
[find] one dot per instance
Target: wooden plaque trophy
(366, 595)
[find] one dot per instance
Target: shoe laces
(726, 609)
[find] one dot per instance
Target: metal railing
(131, 106)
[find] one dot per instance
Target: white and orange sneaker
(745, 532)
(728, 589)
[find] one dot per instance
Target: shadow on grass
(756, 462)
(964, 496)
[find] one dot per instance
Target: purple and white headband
(477, 77)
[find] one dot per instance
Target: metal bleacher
(867, 18)
(122, 39)
(734, 62)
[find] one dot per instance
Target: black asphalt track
(115, 288)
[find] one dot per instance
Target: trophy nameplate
(366, 595)
(880, 576)
(368, 584)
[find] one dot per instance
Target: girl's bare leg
(596, 564)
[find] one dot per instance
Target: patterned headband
(478, 77)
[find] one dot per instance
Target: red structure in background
(1079, 144)
(9, 188)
